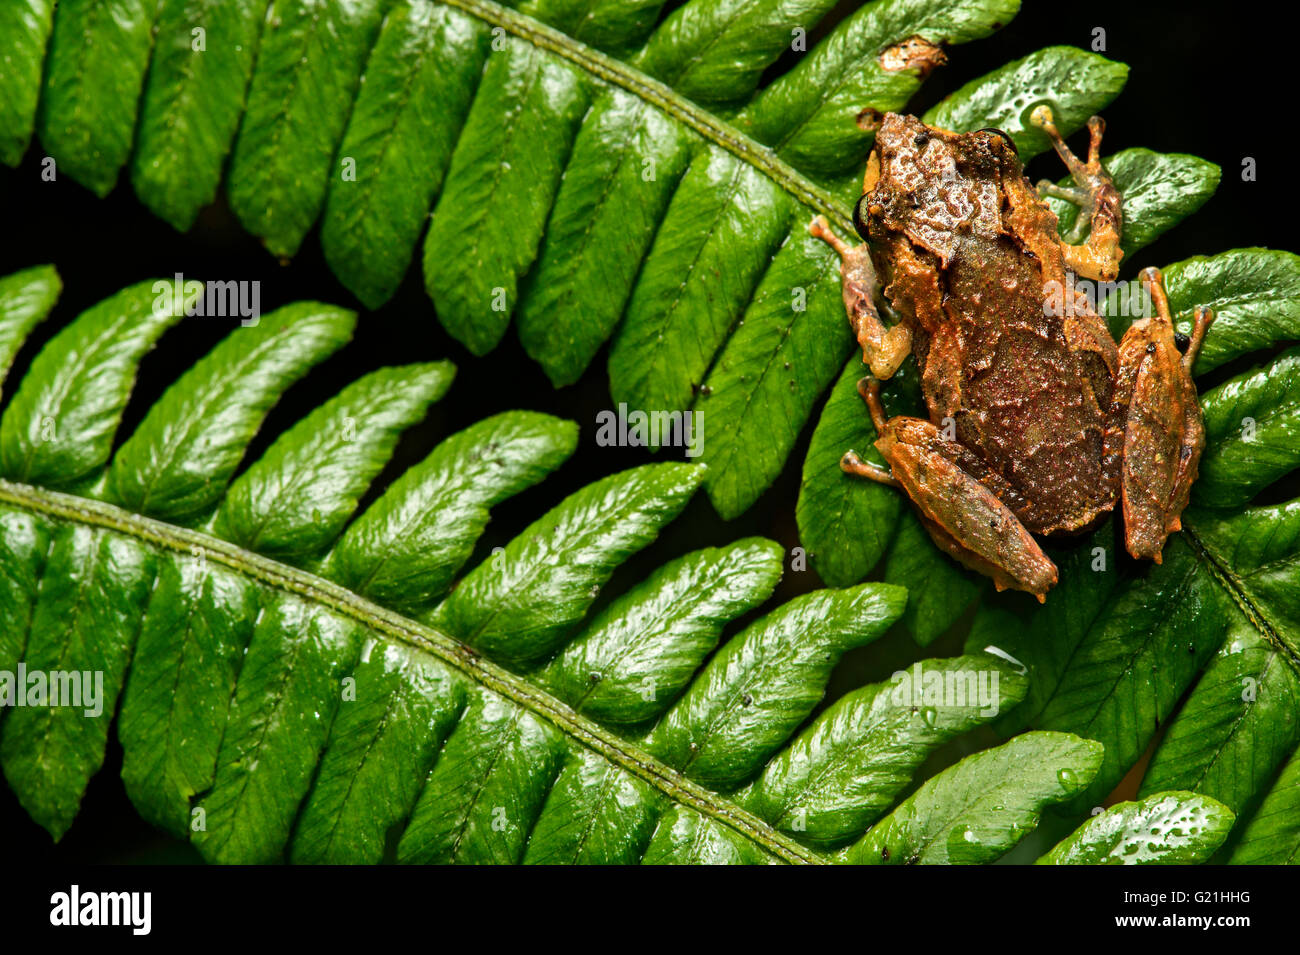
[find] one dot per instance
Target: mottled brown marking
(1053, 422)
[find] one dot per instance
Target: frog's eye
(1181, 342)
(860, 217)
(1004, 134)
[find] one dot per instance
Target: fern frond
(293, 679)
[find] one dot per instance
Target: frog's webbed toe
(1079, 197)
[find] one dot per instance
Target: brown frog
(1038, 422)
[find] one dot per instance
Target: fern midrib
(1229, 582)
(662, 96)
(270, 573)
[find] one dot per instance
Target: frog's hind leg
(953, 493)
(1163, 433)
(883, 349)
(1097, 198)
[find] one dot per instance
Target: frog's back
(966, 251)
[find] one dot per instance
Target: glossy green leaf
(845, 522)
(845, 769)
(939, 589)
(503, 177)
(26, 297)
(307, 72)
(1074, 83)
(94, 588)
(615, 26)
(1252, 432)
(1255, 295)
(193, 99)
(25, 25)
(769, 375)
(98, 54)
(186, 662)
(639, 652)
(380, 749)
(978, 809)
(626, 163)
(724, 223)
(1130, 666)
(406, 548)
(521, 604)
(315, 473)
(58, 429)
(1236, 728)
(1256, 553)
(810, 115)
(715, 52)
(486, 788)
(212, 412)
(24, 548)
(764, 683)
(1272, 836)
(290, 682)
(688, 838)
(416, 90)
(595, 813)
(1170, 828)
(1046, 645)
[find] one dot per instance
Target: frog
(1039, 423)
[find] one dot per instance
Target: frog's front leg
(1096, 196)
(883, 349)
(1162, 431)
(954, 496)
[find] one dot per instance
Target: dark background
(1203, 80)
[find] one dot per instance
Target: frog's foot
(1163, 434)
(850, 463)
(883, 349)
(1202, 319)
(1096, 196)
(953, 495)
(1079, 197)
